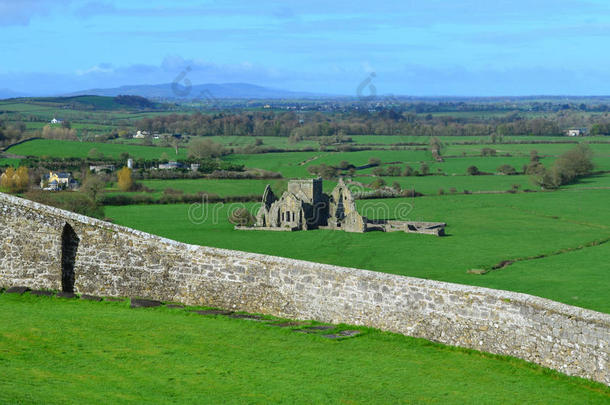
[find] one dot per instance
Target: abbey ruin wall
(39, 243)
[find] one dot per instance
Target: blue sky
(416, 47)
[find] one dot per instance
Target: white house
(576, 132)
(55, 121)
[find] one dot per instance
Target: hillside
(93, 102)
(205, 91)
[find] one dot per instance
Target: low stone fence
(44, 247)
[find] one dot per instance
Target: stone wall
(116, 261)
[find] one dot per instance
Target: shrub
(241, 217)
(378, 171)
(472, 170)
(374, 161)
(424, 169)
(205, 149)
(507, 169)
(488, 152)
(377, 183)
(408, 171)
(95, 154)
(567, 168)
(441, 191)
(453, 190)
(344, 165)
(393, 171)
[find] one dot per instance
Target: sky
(408, 47)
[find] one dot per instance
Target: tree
(344, 165)
(507, 169)
(21, 180)
(568, 167)
(378, 171)
(95, 154)
(92, 186)
(576, 162)
(15, 181)
(408, 171)
(424, 169)
(6, 180)
(488, 152)
(472, 170)
(204, 149)
(377, 183)
(124, 178)
(393, 171)
(373, 161)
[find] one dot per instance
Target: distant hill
(8, 93)
(92, 102)
(201, 91)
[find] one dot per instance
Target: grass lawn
(483, 230)
(57, 351)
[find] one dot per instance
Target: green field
(601, 150)
(64, 149)
(58, 351)
(433, 184)
(294, 164)
(483, 230)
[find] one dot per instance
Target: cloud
(20, 12)
(100, 68)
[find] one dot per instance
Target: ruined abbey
(305, 206)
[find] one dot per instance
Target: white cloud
(101, 68)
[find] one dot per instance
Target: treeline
(384, 122)
(11, 132)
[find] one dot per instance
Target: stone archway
(69, 247)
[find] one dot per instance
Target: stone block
(144, 303)
(17, 290)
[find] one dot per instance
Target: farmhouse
(576, 132)
(170, 165)
(305, 206)
(55, 121)
(101, 168)
(58, 181)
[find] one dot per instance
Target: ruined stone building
(305, 206)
